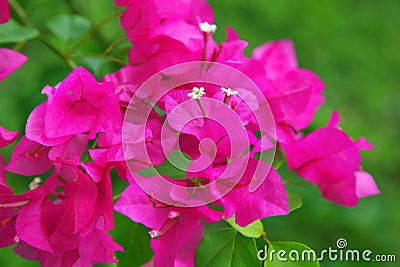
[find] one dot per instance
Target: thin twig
(89, 34)
(117, 60)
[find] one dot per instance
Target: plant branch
(21, 12)
(94, 30)
(119, 61)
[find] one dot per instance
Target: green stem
(264, 237)
(94, 30)
(113, 59)
(21, 12)
(290, 175)
(18, 46)
(109, 48)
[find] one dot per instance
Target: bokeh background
(352, 45)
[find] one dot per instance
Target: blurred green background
(352, 45)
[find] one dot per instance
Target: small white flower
(173, 214)
(196, 93)
(154, 233)
(35, 183)
(207, 27)
(229, 91)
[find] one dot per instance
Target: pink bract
(329, 158)
(10, 60)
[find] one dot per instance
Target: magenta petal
(7, 231)
(104, 201)
(29, 158)
(80, 197)
(231, 34)
(29, 223)
(321, 143)
(290, 96)
(10, 60)
(35, 130)
(343, 193)
(333, 169)
(334, 120)
(70, 150)
(177, 247)
(26, 251)
(278, 56)
(135, 204)
(62, 259)
(7, 137)
(315, 101)
(366, 185)
(269, 199)
(98, 245)
(363, 144)
(80, 104)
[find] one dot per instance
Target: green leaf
(290, 254)
(135, 239)
(12, 32)
(69, 27)
(226, 248)
(255, 229)
(295, 201)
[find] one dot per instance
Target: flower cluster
(87, 128)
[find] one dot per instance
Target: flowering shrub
(190, 126)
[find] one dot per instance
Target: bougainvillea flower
(329, 158)
(10, 60)
(64, 222)
(29, 158)
(80, 104)
(4, 11)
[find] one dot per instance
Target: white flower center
(229, 91)
(207, 27)
(196, 93)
